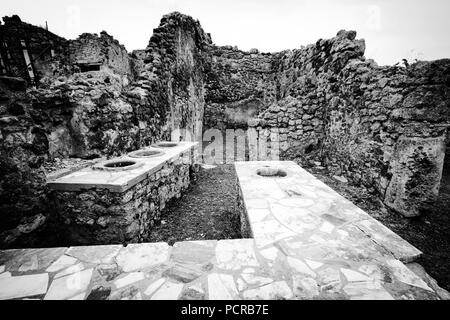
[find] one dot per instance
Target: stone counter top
(118, 181)
(301, 206)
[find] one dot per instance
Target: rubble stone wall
(24, 148)
(176, 65)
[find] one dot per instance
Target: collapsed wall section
(90, 52)
(28, 51)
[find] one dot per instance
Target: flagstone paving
(223, 269)
(308, 243)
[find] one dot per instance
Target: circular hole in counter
(118, 165)
(166, 144)
(268, 171)
(146, 153)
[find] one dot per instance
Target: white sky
(393, 29)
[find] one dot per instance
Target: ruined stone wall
(176, 65)
(24, 148)
(238, 86)
(137, 64)
(392, 125)
(382, 127)
(90, 48)
(98, 216)
(101, 122)
(113, 115)
(46, 50)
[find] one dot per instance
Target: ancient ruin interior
(74, 114)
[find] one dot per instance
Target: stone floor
(308, 243)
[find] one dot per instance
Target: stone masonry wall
(238, 86)
(175, 67)
(99, 216)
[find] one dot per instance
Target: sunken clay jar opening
(166, 144)
(268, 171)
(118, 165)
(146, 153)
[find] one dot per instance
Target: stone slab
(95, 254)
(61, 263)
(168, 291)
(129, 279)
(23, 286)
(196, 252)
(221, 287)
(16, 259)
(139, 256)
(69, 286)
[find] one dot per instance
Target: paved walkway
(308, 243)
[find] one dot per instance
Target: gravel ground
(206, 211)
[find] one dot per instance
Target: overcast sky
(393, 29)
